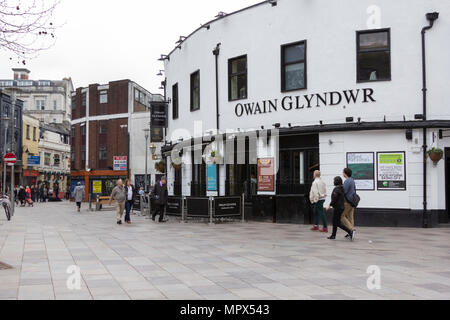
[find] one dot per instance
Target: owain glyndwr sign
(290, 103)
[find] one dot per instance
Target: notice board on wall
(266, 175)
(391, 167)
(363, 166)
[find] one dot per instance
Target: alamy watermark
(374, 280)
(74, 280)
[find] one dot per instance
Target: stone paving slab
(151, 261)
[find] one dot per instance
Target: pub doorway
(299, 158)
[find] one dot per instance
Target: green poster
(391, 171)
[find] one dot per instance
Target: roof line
(217, 19)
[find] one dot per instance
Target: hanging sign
(120, 163)
(391, 171)
(363, 166)
(158, 115)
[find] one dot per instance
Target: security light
(349, 119)
(432, 16)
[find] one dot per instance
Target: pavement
(53, 249)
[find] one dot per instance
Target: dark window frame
(237, 74)
(284, 64)
(192, 90)
(175, 102)
(84, 99)
(358, 51)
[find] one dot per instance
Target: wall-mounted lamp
(164, 57)
(359, 120)
(182, 38)
(349, 119)
(321, 122)
(273, 2)
(221, 14)
(206, 26)
(153, 149)
(418, 116)
(160, 73)
(277, 125)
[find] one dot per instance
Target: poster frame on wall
(261, 187)
(404, 171)
(374, 172)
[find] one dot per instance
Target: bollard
(211, 199)
(183, 199)
(243, 208)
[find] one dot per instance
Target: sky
(104, 40)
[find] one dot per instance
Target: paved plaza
(147, 260)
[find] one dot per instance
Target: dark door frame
(447, 180)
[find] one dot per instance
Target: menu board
(391, 171)
(363, 166)
(266, 175)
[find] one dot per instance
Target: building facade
(108, 141)
(298, 95)
(30, 150)
(47, 100)
(54, 157)
(11, 138)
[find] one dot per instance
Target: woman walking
(338, 204)
(317, 196)
(22, 196)
(129, 189)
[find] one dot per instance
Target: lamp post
(147, 135)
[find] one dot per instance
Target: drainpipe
(216, 53)
(431, 17)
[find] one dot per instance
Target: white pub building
(307, 85)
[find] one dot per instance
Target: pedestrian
(348, 216)
(22, 196)
(160, 196)
(338, 202)
(130, 191)
(118, 194)
(16, 195)
(318, 196)
(41, 192)
(45, 193)
(57, 191)
(33, 193)
(78, 195)
(141, 191)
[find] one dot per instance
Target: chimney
(21, 74)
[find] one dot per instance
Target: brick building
(102, 124)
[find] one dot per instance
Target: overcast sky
(104, 40)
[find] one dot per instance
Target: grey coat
(78, 194)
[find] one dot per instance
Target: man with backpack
(351, 202)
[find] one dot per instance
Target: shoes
(331, 238)
(353, 235)
(315, 228)
(324, 230)
(128, 222)
(119, 222)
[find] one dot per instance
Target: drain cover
(4, 266)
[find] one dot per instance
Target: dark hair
(338, 181)
(348, 172)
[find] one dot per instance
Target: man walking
(119, 195)
(349, 207)
(318, 196)
(78, 194)
(160, 195)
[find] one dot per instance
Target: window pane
(239, 87)
(239, 65)
(294, 53)
(374, 66)
(295, 76)
(195, 99)
(376, 40)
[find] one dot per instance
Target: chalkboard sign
(174, 206)
(227, 207)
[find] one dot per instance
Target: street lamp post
(147, 135)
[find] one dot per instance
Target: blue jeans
(319, 211)
(128, 206)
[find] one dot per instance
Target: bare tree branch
(27, 27)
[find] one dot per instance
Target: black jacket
(338, 198)
(160, 194)
(22, 195)
(133, 191)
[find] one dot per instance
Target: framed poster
(211, 173)
(96, 187)
(120, 163)
(391, 167)
(363, 166)
(266, 175)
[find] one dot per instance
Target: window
(6, 83)
(83, 130)
(374, 55)
(102, 153)
(73, 132)
(40, 104)
(175, 101)
(83, 155)
(139, 96)
(293, 66)
(28, 132)
(237, 78)
(102, 128)
(44, 83)
(47, 157)
(54, 105)
(56, 160)
(34, 133)
(25, 105)
(25, 83)
(103, 97)
(84, 99)
(195, 91)
(74, 102)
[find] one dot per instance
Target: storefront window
(374, 55)
(293, 64)
(47, 158)
(237, 78)
(56, 160)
